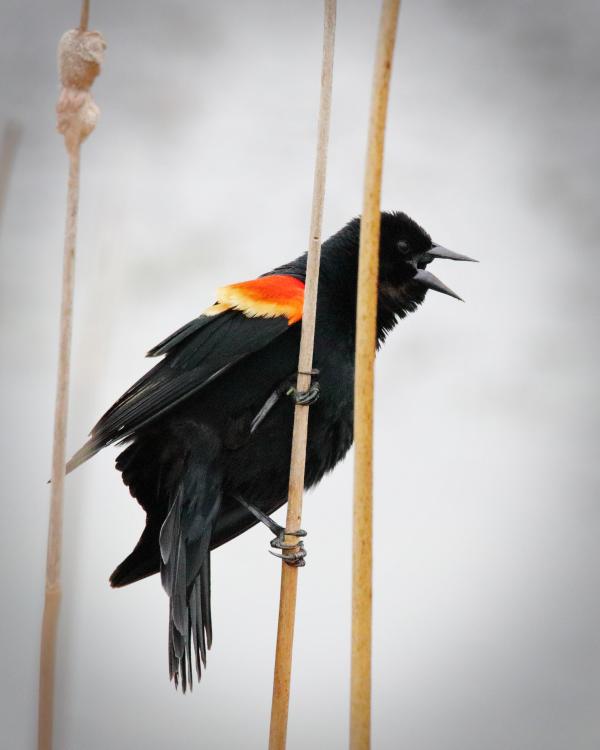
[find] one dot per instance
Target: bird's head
(405, 252)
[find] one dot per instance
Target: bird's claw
(305, 398)
(280, 543)
(292, 554)
(288, 388)
(293, 559)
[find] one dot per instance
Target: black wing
(196, 354)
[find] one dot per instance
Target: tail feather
(179, 486)
(205, 603)
(194, 488)
(190, 627)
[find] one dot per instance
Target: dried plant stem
(289, 575)
(84, 19)
(360, 685)
(80, 55)
(53, 588)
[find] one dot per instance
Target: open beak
(437, 251)
(432, 282)
(428, 279)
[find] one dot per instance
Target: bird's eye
(402, 246)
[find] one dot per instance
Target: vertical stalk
(53, 561)
(84, 18)
(289, 575)
(80, 57)
(366, 315)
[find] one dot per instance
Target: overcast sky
(487, 514)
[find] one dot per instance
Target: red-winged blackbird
(209, 427)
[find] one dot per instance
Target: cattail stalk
(366, 316)
(289, 575)
(80, 56)
(53, 561)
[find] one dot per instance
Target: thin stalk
(84, 19)
(80, 56)
(289, 575)
(53, 561)
(366, 315)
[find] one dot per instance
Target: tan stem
(366, 315)
(85, 15)
(47, 664)
(53, 560)
(289, 576)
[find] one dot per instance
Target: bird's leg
(262, 517)
(288, 388)
(267, 406)
(292, 554)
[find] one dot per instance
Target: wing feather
(246, 317)
(192, 363)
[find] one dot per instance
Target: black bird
(209, 427)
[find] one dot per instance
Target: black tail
(193, 487)
(190, 625)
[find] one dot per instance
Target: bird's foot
(292, 554)
(305, 398)
(288, 388)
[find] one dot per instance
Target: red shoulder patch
(267, 297)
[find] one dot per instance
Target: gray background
(487, 591)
